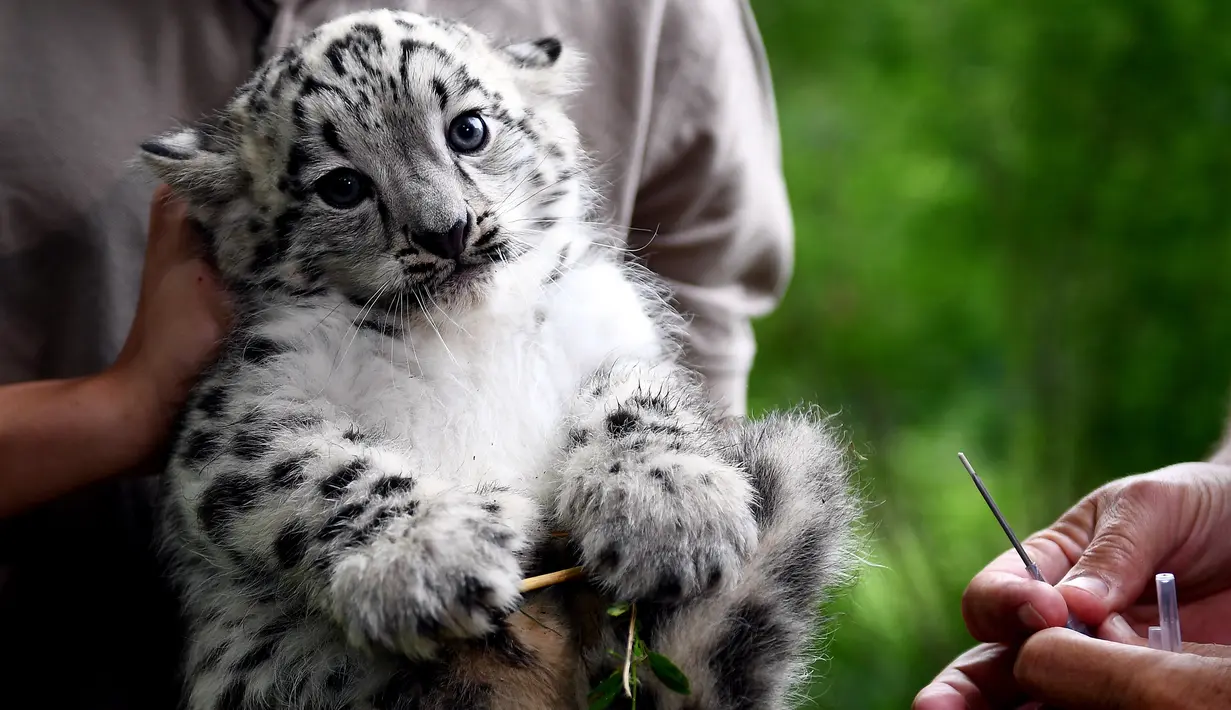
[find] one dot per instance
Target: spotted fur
(437, 360)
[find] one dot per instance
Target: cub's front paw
(448, 569)
(660, 526)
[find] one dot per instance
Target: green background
(1013, 239)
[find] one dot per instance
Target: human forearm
(59, 435)
(728, 389)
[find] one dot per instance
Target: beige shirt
(678, 112)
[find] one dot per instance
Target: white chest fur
(481, 395)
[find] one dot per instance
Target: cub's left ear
(193, 165)
(536, 54)
(547, 66)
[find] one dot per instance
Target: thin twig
(530, 584)
(628, 653)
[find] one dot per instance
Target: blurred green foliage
(1014, 231)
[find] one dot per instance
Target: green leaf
(639, 650)
(618, 609)
(669, 674)
(605, 693)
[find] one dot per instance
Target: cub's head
(384, 154)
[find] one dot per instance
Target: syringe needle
(1073, 623)
(1017, 545)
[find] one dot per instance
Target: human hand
(182, 314)
(1107, 549)
(59, 435)
(1067, 670)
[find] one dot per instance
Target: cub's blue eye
(467, 133)
(342, 188)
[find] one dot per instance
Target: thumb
(1115, 566)
(212, 290)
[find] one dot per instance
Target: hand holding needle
(1073, 623)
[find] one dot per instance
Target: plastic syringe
(1073, 623)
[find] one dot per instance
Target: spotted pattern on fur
(437, 359)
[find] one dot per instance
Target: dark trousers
(86, 620)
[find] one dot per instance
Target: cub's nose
(449, 244)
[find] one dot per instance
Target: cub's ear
(545, 65)
(199, 169)
(535, 54)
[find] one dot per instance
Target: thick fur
(373, 465)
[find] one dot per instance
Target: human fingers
(1117, 628)
(1140, 524)
(1068, 670)
(1003, 603)
(182, 313)
(979, 679)
(175, 255)
(165, 211)
(172, 236)
(1205, 617)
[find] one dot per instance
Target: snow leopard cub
(436, 362)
